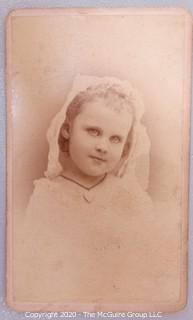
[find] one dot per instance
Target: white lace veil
(136, 164)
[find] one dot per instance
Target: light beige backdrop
(49, 49)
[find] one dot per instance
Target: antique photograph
(98, 109)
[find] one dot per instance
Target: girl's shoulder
(43, 185)
(47, 190)
(131, 196)
(48, 196)
(129, 188)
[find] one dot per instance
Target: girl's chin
(94, 173)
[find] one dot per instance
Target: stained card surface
(98, 104)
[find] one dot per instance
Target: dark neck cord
(81, 185)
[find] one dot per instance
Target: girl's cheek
(89, 143)
(118, 148)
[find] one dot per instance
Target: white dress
(90, 245)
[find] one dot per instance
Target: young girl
(87, 225)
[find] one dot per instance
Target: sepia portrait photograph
(98, 110)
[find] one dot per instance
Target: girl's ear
(65, 131)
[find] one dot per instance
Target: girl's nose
(101, 146)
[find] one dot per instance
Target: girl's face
(97, 137)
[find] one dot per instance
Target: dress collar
(81, 185)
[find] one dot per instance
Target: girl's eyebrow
(93, 127)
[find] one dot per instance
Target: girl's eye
(93, 132)
(116, 139)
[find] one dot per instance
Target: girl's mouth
(98, 158)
